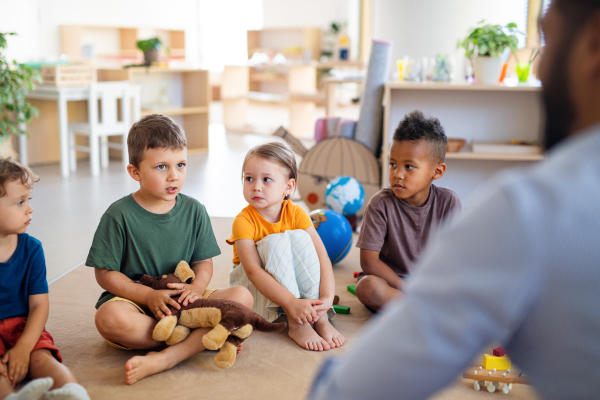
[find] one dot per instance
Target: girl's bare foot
(328, 332)
(139, 367)
(306, 337)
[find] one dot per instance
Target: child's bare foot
(139, 367)
(306, 337)
(328, 332)
(239, 348)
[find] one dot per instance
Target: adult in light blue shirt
(522, 267)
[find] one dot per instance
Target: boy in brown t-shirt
(399, 219)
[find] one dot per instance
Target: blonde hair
(12, 171)
(276, 153)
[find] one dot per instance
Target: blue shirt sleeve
(37, 283)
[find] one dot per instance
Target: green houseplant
(15, 81)
(150, 48)
(484, 45)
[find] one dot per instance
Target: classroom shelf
(493, 156)
(175, 110)
(189, 95)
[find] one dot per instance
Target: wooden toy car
(492, 379)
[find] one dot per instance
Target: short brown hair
(11, 171)
(277, 153)
(154, 131)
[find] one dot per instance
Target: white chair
(102, 123)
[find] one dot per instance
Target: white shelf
(463, 86)
(464, 155)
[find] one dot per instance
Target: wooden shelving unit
(236, 94)
(292, 42)
(189, 97)
(468, 155)
(492, 113)
(71, 40)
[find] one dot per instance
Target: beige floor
(270, 366)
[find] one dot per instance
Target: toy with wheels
(491, 379)
(345, 195)
(335, 232)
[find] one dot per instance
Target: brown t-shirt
(399, 231)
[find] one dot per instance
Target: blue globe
(335, 232)
(345, 195)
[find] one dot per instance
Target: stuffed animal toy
(232, 322)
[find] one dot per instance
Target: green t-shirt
(134, 241)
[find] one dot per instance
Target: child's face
(15, 210)
(265, 183)
(412, 170)
(161, 173)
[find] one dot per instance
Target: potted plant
(150, 48)
(15, 81)
(484, 45)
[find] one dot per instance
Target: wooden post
(366, 29)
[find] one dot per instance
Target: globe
(345, 195)
(335, 232)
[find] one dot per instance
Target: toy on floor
(231, 322)
(341, 309)
(356, 273)
(491, 379)
(495, 370)
(352, 289)
(335, 232)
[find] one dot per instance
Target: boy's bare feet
(328, 332)
(306, 337)
(139, 367)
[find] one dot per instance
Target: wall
(426, 27)
(38, 21)
(313, 14)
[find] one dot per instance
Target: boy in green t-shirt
(149, 232)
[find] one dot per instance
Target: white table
(61, 96)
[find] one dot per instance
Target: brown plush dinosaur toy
(232, 322)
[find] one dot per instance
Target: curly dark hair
(415, 126)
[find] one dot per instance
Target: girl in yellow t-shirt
(269, 176)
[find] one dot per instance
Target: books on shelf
(505, 148)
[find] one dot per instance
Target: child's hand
(3, 370)
(157, 302)
(302, 310)
(323, 308)
(190, 293)
(17, 359)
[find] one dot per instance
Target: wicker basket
(454, 145)
(68, 75)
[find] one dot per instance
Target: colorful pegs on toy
(498, 352)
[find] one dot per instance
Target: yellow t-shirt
(249, 224)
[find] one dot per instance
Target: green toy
(341, 309)
(352, 289)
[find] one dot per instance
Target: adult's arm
(474, 284)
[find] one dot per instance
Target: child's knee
(41, 358)
(242, 295)
(369, 290)
(110, 319)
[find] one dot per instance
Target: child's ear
(439, 171)
(289, 188)
(134, 172)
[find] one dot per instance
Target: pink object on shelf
(320, 129)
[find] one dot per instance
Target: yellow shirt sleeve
(242, 228)
(301, 218)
